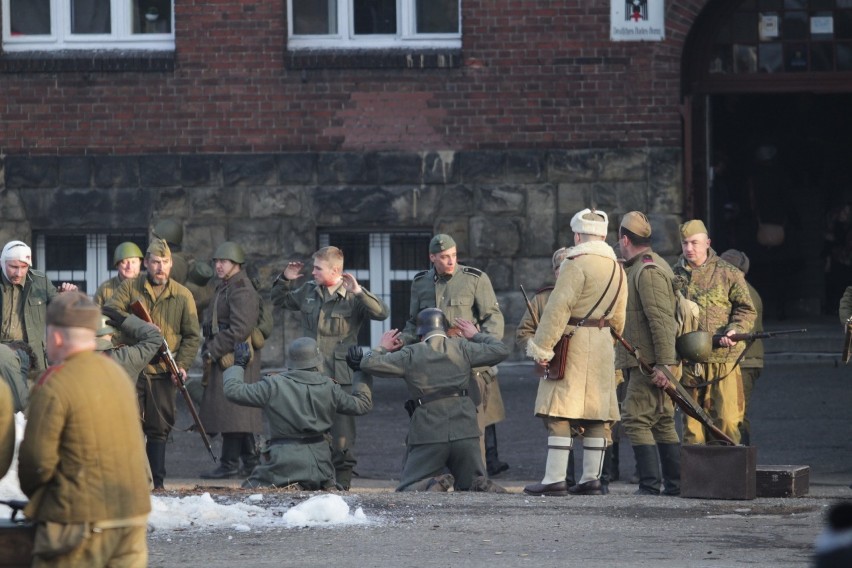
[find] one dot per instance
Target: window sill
(99, 61)
(374, 59)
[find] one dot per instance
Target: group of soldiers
(447, 354)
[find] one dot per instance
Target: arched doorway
(768, 137)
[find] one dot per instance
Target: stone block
(481, 166)
(159, 171)
(624, 165)
(494, 236)
(267, 202)
(214, 203)
(499, 271)
(500, 199)
(31, 172)
(296, 168)
(196, 171)
(249, 170)
(573, 165)
(439, 167)
(459, 229)
(173, 202)
(399, 168)
(116, 172)
(533, 273)
(75, 171)
(665, 234)
(573, 197)
(353, 206)
(254, 237)
(539, 236)
(526, 166)
(630, 196)
(666, 180)
(455, 199)
(334, 168)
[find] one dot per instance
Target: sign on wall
(637, 20)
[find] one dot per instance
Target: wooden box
(16, 544)
(783, 480)
(718, 472)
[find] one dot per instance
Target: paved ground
(801, 414)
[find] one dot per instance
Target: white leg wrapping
(593, 458)
(558, 452)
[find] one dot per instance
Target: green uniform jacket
(7, 428)
(298, 404)
(37, 293)
(724, 302)
(173, 312)
(650, 324)
(334, 323)
(106, 290)
(439, 363)
(15, 377)
(144, 341)
(754, 356)
(82, 458)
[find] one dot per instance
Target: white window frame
(61, 38)
(405, 38)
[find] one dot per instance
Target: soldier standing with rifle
(651, 325)
(172, 309)
(725, 308)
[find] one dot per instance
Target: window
(385, 264)
(84, 260)
(359, 24)
(47, 25)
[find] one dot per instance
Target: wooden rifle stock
(165, 355)
(755, 335)
(676, 392)
(529, 306)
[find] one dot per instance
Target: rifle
(529, 306)
(756, 335)
(165, 355)
(847, 342)
(676, 392)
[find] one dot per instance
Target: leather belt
(598, 323)
(438, 395)
(286, 441)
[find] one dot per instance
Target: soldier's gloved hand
(114, 317)
(354, 356)
(242, 354)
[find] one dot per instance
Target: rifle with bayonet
(755, 335)
(166, 356)
(676, 392)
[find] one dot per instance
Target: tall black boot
(570, 478)
(606, 472)
(649, 469)
(229, 462)
(249, 454)
(156, 450)
(670, 460)
(492, 462)
(614, 474)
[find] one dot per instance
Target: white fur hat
(589, 222)
(17, 250)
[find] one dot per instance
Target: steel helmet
(125, 250)
(304, 354)
(230, 251)
(695, 346)
(430, 320)
(105, 328)
(170, 231)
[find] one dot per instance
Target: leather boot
(607, 471)
(594, 450)
(249, 454)
(570, 479)
(553, 484)
(670, 460)
(614, 473)
(343, 479)
(492, 462)
(649, 469)
(156, 450)
(229, 461)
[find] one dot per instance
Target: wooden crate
(783, 480)
(718, 472)
(16, 544)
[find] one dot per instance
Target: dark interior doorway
(785, 159)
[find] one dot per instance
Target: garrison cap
(590, 222)
(637, 223)
(440, 243)
(692, 228)
(737, 258)
(74, 309)
(159, 247)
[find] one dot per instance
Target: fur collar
(596, 248)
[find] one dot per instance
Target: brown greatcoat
(588, 390)
(237, 309)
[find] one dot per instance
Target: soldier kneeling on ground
(300, 405)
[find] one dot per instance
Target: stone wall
(508, 210)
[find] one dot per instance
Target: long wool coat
(588, 389)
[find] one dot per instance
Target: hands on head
(293, 270)
(467, 328)
(350, 283)
(391, 340)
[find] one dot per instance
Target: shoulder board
(45, 376)
(472, 271)
(240, 284)
(545, 289)
(420, 274)
(647, 258)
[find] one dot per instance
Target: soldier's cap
(303, 354)
(17, 250)
(200, 273)
(73, 309)
(440, 243)
(159, 247)
(590, 222)
(637, 223)
(736, 257)
(692, 228)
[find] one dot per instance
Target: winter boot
(229, 462)
(670, 460)
(594, 450)
(553, 484)
(570, 479)
(249, 454)
(649, 469)
(614, 473)
(156, 450)
(492, 462)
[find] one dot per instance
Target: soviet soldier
(334, 306)
(300, 405)
(463, 292)
(650, 326)
(127, 260)
(229, 321)
(171, 231)
(24, 296)
(82, 460)
(725, 308)
(443, 431)
(172, 309)
(751, 364)
(589, 297)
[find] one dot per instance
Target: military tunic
(300, 407)
(466, 294)
(36, 293)
(236, 308)
(725, 304)
(82, 458)
(443, 432)
(106, 290)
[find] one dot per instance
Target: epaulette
(420, 274)
(472, 271)
(46, 374)
(647, 258)
(545, 289)
(240, 284)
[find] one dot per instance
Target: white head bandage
(16, 250)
